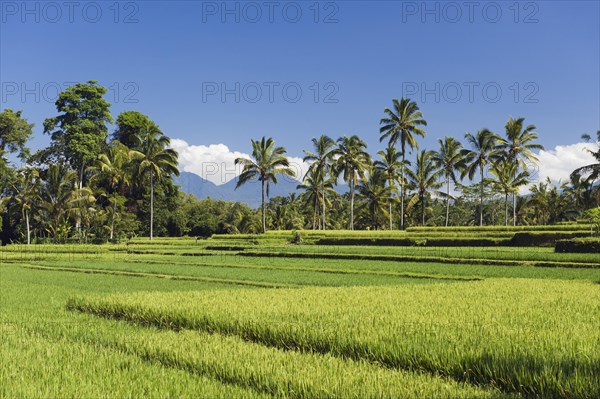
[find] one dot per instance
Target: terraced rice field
(254, 317)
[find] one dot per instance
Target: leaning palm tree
(424, 178)
(351, 161)
(450, 159)
(154, 159)
(321, 160)
(508, 179)
(268, 162)
(485, 149)
(518, 148)
(114, 166)
(591, 171)
(390, 164)
(402, 125)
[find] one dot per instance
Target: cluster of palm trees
(508, 160)
(54, 200)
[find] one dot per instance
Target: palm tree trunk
(390, 211)
(112, 224)
(316, 208)
(352, 205)
(506, 209)
(390, 205)
(514, 209)
(481, 199)
(264, 219)
(402, 192)
(151, 206)
(28, 230)
(323, 188)
(423, 210)
(447, 200)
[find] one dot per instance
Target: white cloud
(557, 164)
(216, 162)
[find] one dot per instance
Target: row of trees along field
(92, 186)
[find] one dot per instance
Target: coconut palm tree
(507, 180)
(351, 161)
(450, 159)
(268, 162)
(155, 160)
(518, 147)
(26, 194)
(376, 193)
(321, 161)
(57, 196)
(591, 171)
(485, 149)
(317, 189)
(390, 164)
(402, 124)
(114, 166)
(424, 178)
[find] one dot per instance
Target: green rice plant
(280, 373)
(37, 367)
(531, 337)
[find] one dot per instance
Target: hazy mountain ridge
(249, 193)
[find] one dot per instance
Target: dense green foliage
(90, 185)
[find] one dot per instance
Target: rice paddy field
(415, 314)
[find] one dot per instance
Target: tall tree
(402, 124)
(390, 164)
(268, 162)
(450, 159)
(14, 133)
(518, 147)
(484, 149)
(80, 131)
(155, 160)
(321, 162)
(131, 125)
(424, 178)
(351, 161)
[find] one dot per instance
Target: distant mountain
(249, 193)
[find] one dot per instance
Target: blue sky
(467, 68)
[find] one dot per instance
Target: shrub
(530, 239)
(588, 245)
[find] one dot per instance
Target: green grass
(536, 338)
